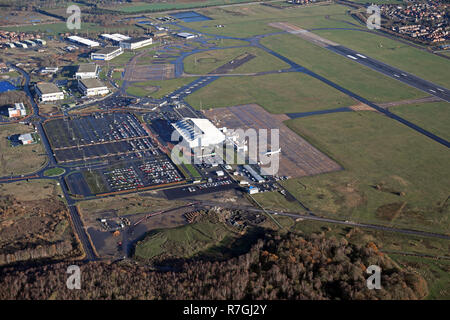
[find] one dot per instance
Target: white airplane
(268, 153)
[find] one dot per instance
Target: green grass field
(397, 54)
(21, 159)
(161, 6)
(361, 80)
(185, 241)
(430, 116)
(277, 93)
(204, 62)
(54, 172)
(250, 20)
(392, 174)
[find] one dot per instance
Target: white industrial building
(92, 87)
(86, 71)
(17, 111)
(86, 42)
(116, 37)
(106, 53)
(26, 138)
(186, 35)
(198, 132)
(48, 92)
(136, 43)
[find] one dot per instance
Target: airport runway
(397, 74)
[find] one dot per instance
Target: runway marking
(361, 56)
(352, 57)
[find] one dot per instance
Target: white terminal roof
(84, 41)
(198, 132)
(115, 36)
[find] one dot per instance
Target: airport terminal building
(198, 132)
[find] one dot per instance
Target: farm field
(392, 175)
(32, 157)
(361, 80)
(431, 116)
(205, 62)
(274, 92)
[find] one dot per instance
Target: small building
(48, 70)
(159, 33)
(17, 111)
(186, 35)
(252, 190)
(26, 138)
(40, 41)
(136, 43)
(86, 71)
(21, 45)
(219, 173)
(92, 87)
(107, 53)
(48, 92)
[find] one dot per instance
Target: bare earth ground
(298, 158)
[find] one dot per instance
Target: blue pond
(6, 86)
(190, 16)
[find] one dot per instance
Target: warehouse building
(48, 92)
(198, 132)
(115, 38)
(92, 87)
(186, 35)
(106, 53)
(86, 42)
(136, 43)
(17, 111)
(86, 71)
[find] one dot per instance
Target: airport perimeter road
(311, 216)
(397, 74)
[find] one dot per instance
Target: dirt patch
(390, 211)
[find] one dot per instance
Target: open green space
(205, 62)
(392, 175)
(251, 20)
(405, 57)
(435, 272)
(277, 93)
(361, 80)
(21, 159)
(185, 241)
(192, 170)
(157, 88)
(54, 172)
(433, 117)
(136, 7)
